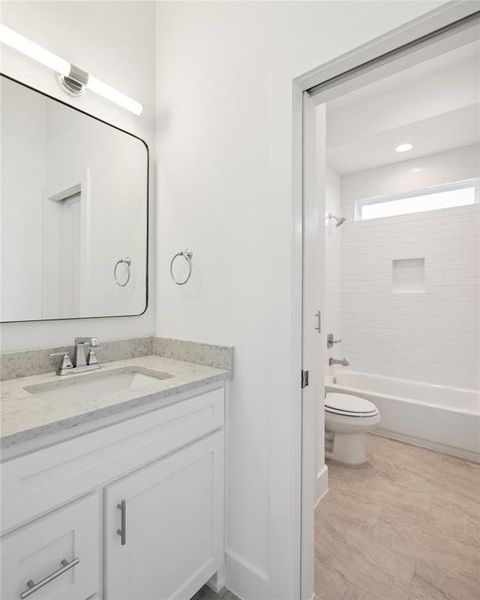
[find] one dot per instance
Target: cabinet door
(32, 556)
(164, 525)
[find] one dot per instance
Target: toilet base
(347, 448)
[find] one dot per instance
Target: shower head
(338, 220)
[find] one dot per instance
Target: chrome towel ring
(126, 261)
(187, 254)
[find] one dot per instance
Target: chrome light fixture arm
(75, 83)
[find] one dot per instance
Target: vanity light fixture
(404, 147)
(73, 80)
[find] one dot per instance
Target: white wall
(432, 336)
(115, 42)
(224, 88)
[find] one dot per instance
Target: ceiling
(434, 106)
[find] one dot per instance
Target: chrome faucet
(84, 358)
(335, 361)
(85, 352)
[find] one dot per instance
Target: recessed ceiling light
(404, 147)
(416, 170)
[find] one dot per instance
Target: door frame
(343, 73)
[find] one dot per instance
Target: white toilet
(347, 420)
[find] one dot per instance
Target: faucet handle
(92, 355)
(66, 363)
(331, 340)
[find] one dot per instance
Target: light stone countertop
(26, 417)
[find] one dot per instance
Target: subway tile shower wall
(333, 266)
(431, 335)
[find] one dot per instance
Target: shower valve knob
(331, 340)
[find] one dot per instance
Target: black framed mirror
(74, 212)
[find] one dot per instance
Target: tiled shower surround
(430, 333)
(333, 263)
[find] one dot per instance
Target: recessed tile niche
(408, 276)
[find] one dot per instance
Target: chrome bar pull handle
(33, 587)
(122, 532)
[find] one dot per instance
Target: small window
(463, 193)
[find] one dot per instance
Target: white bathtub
(434, 416)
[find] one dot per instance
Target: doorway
(439, 32)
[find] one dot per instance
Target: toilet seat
(347, 405)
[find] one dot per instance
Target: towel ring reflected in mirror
(127, 262)
(186, 254)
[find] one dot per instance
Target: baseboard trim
(321, 484)
(217, 582)
(244, 578)
(443, 448)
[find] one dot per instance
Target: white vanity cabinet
(163, 535)
(56, 557)
(134, 510)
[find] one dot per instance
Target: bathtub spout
(335, 361)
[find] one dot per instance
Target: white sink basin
(94, 385)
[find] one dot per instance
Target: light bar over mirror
(73, 80)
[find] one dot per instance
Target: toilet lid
(345, 404)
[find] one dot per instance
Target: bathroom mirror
(74, 212)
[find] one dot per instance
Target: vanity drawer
(38, 482)
(57, 555)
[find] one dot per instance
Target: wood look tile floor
(405, 526)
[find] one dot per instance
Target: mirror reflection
(74, 212)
